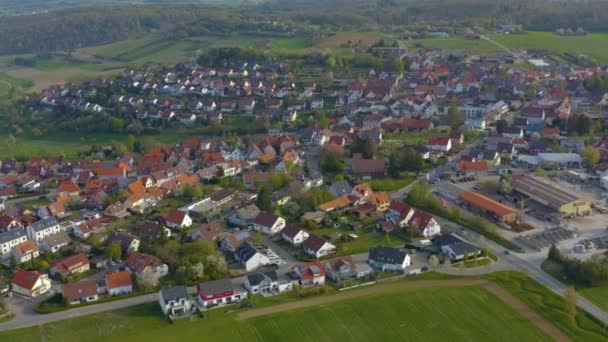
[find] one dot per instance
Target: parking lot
(547, 237)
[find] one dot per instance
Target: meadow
(460, 314)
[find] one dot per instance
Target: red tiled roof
(81, 289)
(175, 216)
(26, 279)
(118, 279)
(68, 186)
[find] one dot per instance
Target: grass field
(475, 46)
(390, 184)
(411, 314)
(598, 295)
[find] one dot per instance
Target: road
(27, 317)
(519, 262)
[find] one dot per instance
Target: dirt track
(498, 291)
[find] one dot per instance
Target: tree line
(592, 272)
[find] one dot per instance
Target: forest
(86, 26)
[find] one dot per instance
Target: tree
(264, 201)
(465, 258)
(131, 142)
(365, 146)
(193, 191)
(591, 155)
(570, 302)
(434, 261)
(113, 251)
(397, 65)
(504, 185)
(330, 162)
(554, 254)
(323, 122)
(501, 125)
(455, 117)
(394, 169)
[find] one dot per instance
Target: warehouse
(489, 206)
(565, 201)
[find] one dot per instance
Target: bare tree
(570, 299)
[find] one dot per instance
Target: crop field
(412, 314)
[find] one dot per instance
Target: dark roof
(11, 235)
(387, 255)
(174, 293)
(246, 251)
(314, 242)
(462, 247)
(81, 289)
(123, 239)
(150, 229)
(265, 219)
(221, 194)
(256, 278)
(340, 188)
(360, 165)
(44, 224)
(445, 239)
(291, 230)
(216, 287)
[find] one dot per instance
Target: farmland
(593, 45)
(406, 314)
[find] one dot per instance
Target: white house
(10, 239)
(219, 292)
(175, 301)
(294, 235)
(85, 291)
(251, 256)
(440, 144)
(308, 274)
(318, 247)
(119, 283)
(177, 219)
(268, 223)
(267, 283)
(388, 259)
(25, 251)
(30, 283)
(38, 230)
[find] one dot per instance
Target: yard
(390, 184)
(457, 313)
(366, 238)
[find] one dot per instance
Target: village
(339, 189)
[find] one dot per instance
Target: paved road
(26, 319)
(518, 262)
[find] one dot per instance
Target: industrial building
(565, 201)
(489, 206)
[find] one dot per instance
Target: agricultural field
(405, 314)
(474, 46)
(593, 45)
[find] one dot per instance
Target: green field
(475, 46)
(457, 314)
(594, 45)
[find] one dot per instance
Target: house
(119, 283)
(68, 189)
(471, 167)
(367, 168)
(30, 283)
(267, 283)
(423, 224)
(175, 301)
(152, 230)
(242, 217)
(251, 256)
(208, 232)
(176, 219)
(10, 239)
(318, 247)
(85, 291)
(230, 242)
(219, 292)
(70, 266)
(147, 268)
(25, 251)
(399, 213)
(308, 274)
(8, 222)
(439, 144)
(344, 268)
(268, 223)
(86, 229)
(127, 242)
(54, 243)
(43, 228)
(457, 250)
(340, 188)
(388, 259)
(294, 235)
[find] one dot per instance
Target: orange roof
(68, 186)
(266, 158)
(486, 203)
(338, 203)
(26, 279)
(118, 279)
(382, 197)
(473, 166)
(26, 247)
(136, 187)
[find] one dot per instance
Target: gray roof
(175, 293)
(57, 239)
(461, 247)
(256, 278)
(387, 255)
(340, 188)
(216, 287)
(445, 239)
(246, 251)
(544, 191)
(44, 224)
(11, 235)
(249, 212)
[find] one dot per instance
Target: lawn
(475, 46)
(413, 138)
(457, 314)
(594, 45)
(390, 184)
(597, 295)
